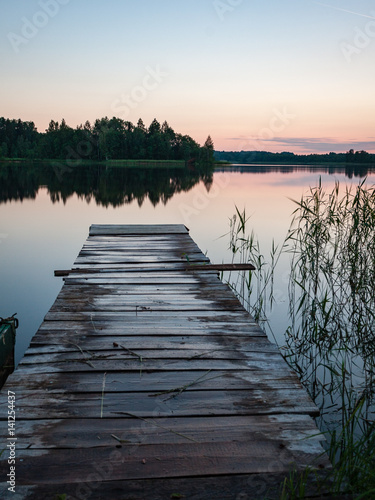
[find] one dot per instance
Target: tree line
(248, 157)
(106, 139)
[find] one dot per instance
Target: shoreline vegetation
(330, 339)
(285, 158)
(106, 140)
(224, 164)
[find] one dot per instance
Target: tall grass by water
(330, 340)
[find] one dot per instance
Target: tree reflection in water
(106, 185)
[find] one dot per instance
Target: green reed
(330, 341)
(255, 289)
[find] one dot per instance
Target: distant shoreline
(279, 164)
(178, 163)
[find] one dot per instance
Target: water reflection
(107, 186)
(117, 186)
(350, 170)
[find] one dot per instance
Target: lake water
(46, 212)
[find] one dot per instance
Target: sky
(270, 75)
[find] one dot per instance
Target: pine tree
(207, 151)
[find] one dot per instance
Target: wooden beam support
(192, 267)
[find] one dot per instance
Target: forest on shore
(106, 139)
(256, 157)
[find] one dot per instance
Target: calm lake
(46, 212)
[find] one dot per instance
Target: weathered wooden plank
(149, 317)
(154, 241)
(155, 461)
(141, 248)
(181, 287)
(133, 304)
(123, 230)
(177, 271)
(38, 404)
(224, 487)
(145, 251)
(127, 256)
(103, 288)
(143, 272)
(52, 333)
(148, 234)
(156, 365)
(203, 342)
(122, 381)
(94, 433)
(128, 279)
(118, 354)
(142, 244)
(221, 267)
(118, 259)
(124, 323)
(125, 292)
(144, 267)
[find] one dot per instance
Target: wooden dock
(150, 381)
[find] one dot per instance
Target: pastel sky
(275, 75)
